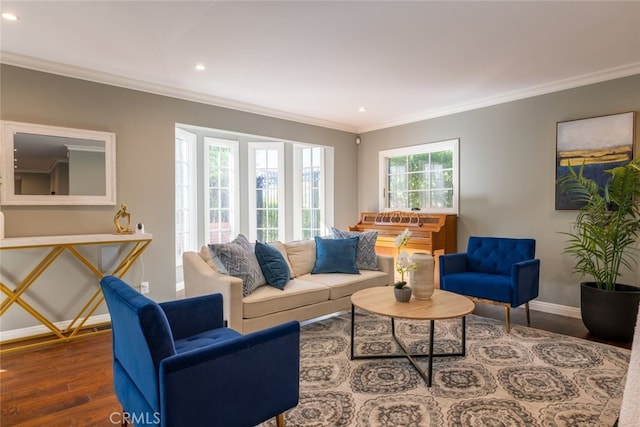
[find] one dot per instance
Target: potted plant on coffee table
(403, 265)
(603, 242)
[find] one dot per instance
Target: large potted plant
(603, 242)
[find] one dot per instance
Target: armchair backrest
(141, 337)
(496, 255)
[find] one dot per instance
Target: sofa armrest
(242, 381)
(191, 316)
(200, 279)
(525, 277)
(385, 263)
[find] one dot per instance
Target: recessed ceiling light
(10, 16)
(362, 109)
(200, 67)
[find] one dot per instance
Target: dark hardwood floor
(71, 384)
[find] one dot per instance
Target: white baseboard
(562, 310)
(41, 329)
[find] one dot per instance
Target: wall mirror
(48, 165)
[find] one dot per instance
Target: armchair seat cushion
(205, 339)
(480, 285)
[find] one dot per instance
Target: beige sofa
(304, 297)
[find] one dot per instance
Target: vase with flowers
(403, 266)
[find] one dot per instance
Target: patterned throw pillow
(366, 257)
(239, 261)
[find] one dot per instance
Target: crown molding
(559, 85)
(128, 83)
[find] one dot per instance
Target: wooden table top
(442, 305)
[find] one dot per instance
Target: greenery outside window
(422, 177)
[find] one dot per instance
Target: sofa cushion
(239, 261)
(302, 256)
(273, 265)
(366, 257)
(342, 285)
(336, 256)
(297, 293)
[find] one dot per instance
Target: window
(422, 177)
(309, 189)
(221, 199)
(186, 225)
(229, 183)
(267, 192)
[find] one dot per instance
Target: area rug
(527, 378)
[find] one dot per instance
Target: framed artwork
(600, 143)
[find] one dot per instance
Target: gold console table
(54, 247)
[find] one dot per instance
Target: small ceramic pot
(402, 295)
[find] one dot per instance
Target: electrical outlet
(144, 288)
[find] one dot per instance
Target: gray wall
(144, 127)
(507, 170)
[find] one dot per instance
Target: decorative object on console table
(421, 278)
(435, 234)
(122, 214)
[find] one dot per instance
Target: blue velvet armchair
(495, 270)
(176, 364)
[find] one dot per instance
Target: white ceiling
(317, 62)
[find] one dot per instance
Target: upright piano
(432, 233)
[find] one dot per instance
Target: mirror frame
(7, 186)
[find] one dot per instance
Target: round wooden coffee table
(442, 305)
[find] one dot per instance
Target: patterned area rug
(528, 378)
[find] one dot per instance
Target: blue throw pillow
(366, 258)
(336, 256)
(273, 265)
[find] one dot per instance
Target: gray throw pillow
(366, 257)
(238, 259)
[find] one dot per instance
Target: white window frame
(384, 155)
(192, 233)
(252, 147)
(298, 188)
(234, 199)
